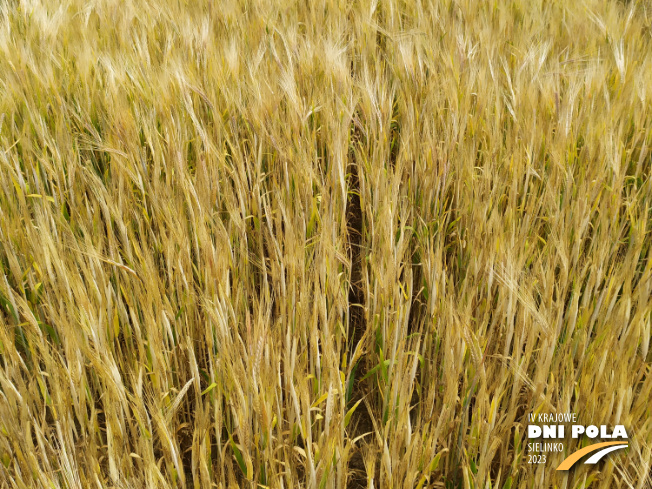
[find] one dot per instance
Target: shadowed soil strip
(360, 421)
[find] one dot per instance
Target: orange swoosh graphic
(574, 457)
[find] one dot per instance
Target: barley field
(322, 244)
